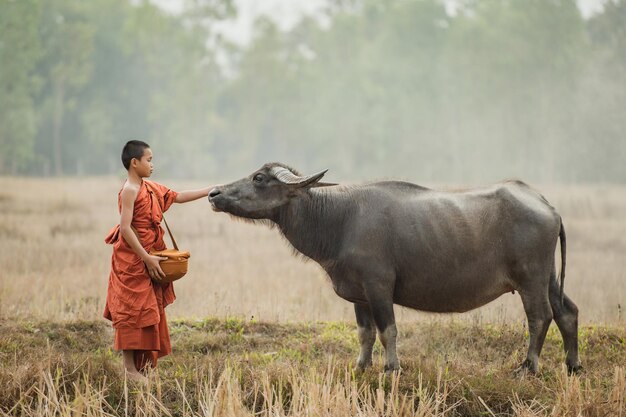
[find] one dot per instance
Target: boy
(136, 300)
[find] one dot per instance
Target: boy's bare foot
(130, 370)
(135, 376)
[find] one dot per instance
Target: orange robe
(136, 304)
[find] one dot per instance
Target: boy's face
(143, 166)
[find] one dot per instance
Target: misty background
(462, 91)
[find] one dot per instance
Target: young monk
(136, 300)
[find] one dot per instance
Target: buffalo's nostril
(214, 192)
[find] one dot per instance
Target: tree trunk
(57, 124)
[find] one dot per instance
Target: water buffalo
(439, 251)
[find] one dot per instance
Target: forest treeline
(374, 88)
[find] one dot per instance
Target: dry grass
(231, 367)
(56, 265)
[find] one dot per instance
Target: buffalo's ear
(323, 184)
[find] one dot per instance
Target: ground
(226, 367)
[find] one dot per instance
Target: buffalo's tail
(563, 247)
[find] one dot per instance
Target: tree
(19, 51)
(67, 39)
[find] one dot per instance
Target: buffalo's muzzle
(213, 194)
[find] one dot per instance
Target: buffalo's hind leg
(367, 335)
(539, 315)
(566, 318)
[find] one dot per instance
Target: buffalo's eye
(258, 178)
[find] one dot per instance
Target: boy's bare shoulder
(130, 190)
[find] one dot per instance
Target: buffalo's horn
(287, 177)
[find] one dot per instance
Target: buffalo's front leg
(367, 334)
(382, 310)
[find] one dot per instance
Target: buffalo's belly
(450, 293)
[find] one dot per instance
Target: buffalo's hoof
(526, 368)
(574, 370)
(362, 366)
(390, 369)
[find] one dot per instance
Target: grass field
(281, 342)
(230, 367)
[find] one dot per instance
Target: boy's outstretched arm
(191, 195)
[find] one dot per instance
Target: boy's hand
(154, 269)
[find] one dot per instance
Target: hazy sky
(284, 12)
(287, 12)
